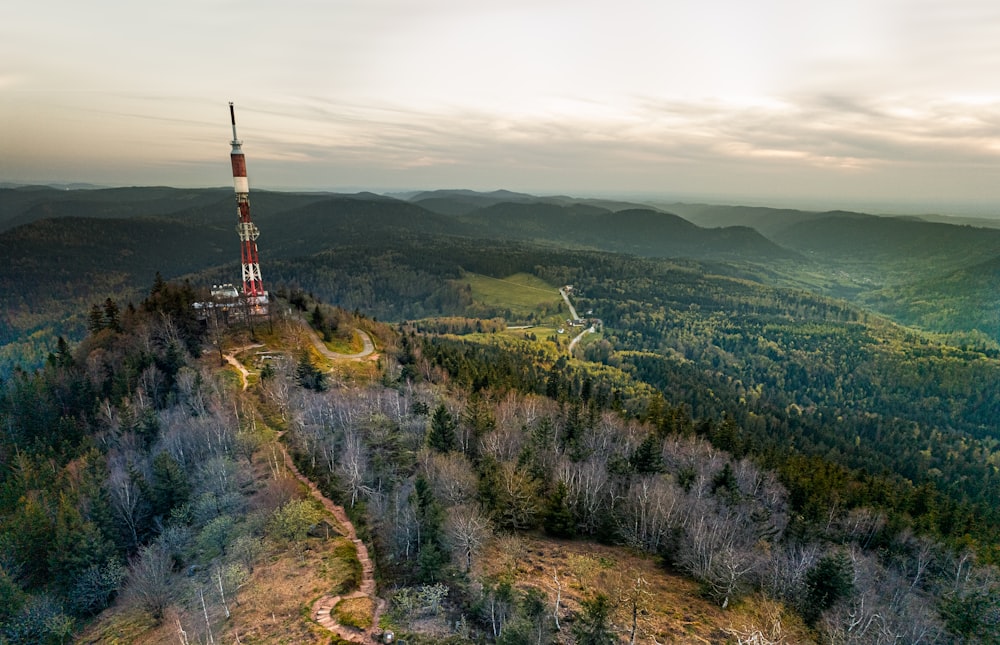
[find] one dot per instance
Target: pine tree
(95, 319)
(826, 583)
(558, 518)
(594, 626)
(308, 375)
(441, 436)
(112, 315)
(647, 458)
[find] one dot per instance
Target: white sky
(840, 102)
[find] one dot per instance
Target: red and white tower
(253, 286)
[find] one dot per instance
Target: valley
(756, 416)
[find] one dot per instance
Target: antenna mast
(253, 285)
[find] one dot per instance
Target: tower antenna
(253, 285)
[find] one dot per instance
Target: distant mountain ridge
(64, 246)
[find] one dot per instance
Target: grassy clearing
(349, 345)
(672, 610)
(355, 612)
(522, 293)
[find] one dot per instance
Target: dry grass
(671, 609)
(273, 607)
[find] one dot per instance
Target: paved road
(578, 337)
(572, 311)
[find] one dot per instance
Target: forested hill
(80, 246)
(806, 435)
(634, 231)
(25, 205)
(484, 469)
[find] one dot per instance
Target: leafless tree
(450, 475)
(557, 588)
(466, 530)
(884, 608)
(587, 486)
(650, 511)
(718, 549)
(353, 465)
(149, 579)
(518, 497)
(124, 492)
(783, 574)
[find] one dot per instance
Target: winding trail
(244, 372)
(322, 609)
(368, 346)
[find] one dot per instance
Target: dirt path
(368, 346)
(322, 609)
(244, 372)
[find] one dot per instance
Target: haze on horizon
(893, 102)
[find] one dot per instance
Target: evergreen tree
(308, 375)
(112, 315)
(725, 481)
(441, 436)
(593, 627)
(170, 486)
(647, 458)
(95, 319)
(826, 583)
(558, 519)
(431, 556)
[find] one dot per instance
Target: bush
(291, 522)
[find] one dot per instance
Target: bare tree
(718, 549)
(125, 493)
(353, 467)
(649, 513)
(149, 579)
(451, 477)
(467, 530)
(557, 588)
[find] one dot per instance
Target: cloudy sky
(782, 101)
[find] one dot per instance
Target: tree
(112, 316)
(441, 436)
(95, 319)
(593, 627)
(170, 485)
(149, 579)
(308, 375)
(647, 458)
(467, 530)
(826, 583)
(430, 519)
(558, 518)
(291, 522)
(96, 587)
(76, 547)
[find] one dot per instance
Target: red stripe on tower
(253, 285)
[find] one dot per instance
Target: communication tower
(253, 285)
